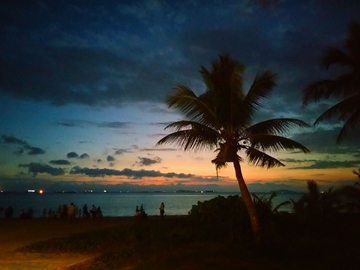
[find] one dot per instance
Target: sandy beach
(16, 233)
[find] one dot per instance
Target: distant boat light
(104, 190)
(31, 190)
(41, 191)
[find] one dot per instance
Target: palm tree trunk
(255, 225)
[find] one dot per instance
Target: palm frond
(351, 123)
(345, 86)
(322, 89)
(196, 137)
(193, 108)
(276, 208)
(276, 126)
(313, 190)
(260, 88)
(343, 109)
(261, 159)
(178, 125)
(267, 142)
(334, 56)
(207, 78)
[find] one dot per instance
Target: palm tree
(221, 119)
(346, 86)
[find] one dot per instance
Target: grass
(179, 243)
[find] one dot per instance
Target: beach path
(17, 233)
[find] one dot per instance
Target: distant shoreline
(285, 191)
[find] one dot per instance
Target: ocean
(118, 204)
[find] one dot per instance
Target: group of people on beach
(140, 212)
(8, 211)
(94, 211)
(71, 212)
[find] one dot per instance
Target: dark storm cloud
(143, 161)
(78, 77)
(60, 162)
(31, 149)
(72, 155)
(107, 64)
(292, 47)
(35, 168)
(126, 172)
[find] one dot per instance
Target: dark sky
(83, 84)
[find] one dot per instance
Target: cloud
(84, 123)
(292, 160)
(31, 149)
(60, 162)
(20, 151)
(36, 168)
(35, 151)
(97, 65)
(323, 164)
(72, 155)
(322, 139)
(75, 155)
(121, 151)
(159, 148)
(84, 156)
(110, 158)
(13, 140)
(148, 161)
(126, 172)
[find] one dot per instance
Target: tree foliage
(346, 87)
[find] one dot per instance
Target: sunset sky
(83, 85)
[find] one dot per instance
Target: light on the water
(104, 190)
(41, 191)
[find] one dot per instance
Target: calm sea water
(118, 205)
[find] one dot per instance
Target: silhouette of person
(93, 211)
(85, 211)
(162, 209)
(99, 212)
(137, 212)
(71, 212)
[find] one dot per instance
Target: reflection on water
(115, 204)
